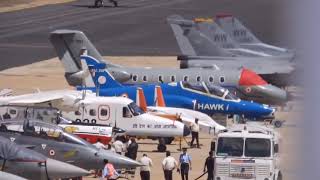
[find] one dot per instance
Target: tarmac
(137, 27)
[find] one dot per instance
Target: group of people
(129, 147)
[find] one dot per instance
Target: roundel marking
(124, 95)
(248, 89)
(102, 80)
(51, 152)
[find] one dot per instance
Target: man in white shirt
(145, 169)
(168, 165)
(118, 146)
(195, 132)
(99, 145)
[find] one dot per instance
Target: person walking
(195, 133)
(118, 146)
(109, 173)
(133, 149)
(185, 164)
(99, 145)
(145, 169)
(168, 165)
(209, 165)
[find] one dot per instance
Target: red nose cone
(250, 78)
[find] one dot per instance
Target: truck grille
(222, 170)
(263, 170)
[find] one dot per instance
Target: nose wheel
(162, 145)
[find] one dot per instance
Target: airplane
(187, 116)
(207, 99)
(70, 44)
(27, 163)
(205, 45)
(52, 141)
(87, 108)
(246, 39)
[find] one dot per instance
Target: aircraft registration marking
(155, 126)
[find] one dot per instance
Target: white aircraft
(88, 108)
(187, 116)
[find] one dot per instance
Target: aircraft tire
(162, 147)
(168, 140)
(277, 124)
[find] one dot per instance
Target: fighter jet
(246, 39)
(204, 44)
(27, 163)
(50, 140)
(207, 99)
(70, 44)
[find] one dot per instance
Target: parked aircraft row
(143, 102)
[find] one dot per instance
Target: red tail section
(158, 97)
(141, 99)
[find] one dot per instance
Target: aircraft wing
(55, 99)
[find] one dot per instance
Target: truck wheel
(162, 147)
(277, 124)
(98, 3)
(279, 176)
(168, 140)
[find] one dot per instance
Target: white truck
(249, 152)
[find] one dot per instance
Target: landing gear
(277, 123)
(168, 140)
(98, 3)
(162, 145)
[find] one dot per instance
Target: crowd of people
(129, 147)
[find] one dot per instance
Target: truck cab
(247, 152)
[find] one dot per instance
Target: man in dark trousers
(209, 165)
(132, 149)
(195, 132)
(185, 164)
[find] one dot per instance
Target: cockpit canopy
(42, 130)
(211, 90)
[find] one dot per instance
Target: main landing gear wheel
(162, 145)
(277, 123)
(168, 140)
(98, 3)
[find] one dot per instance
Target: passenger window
(160, 79)
(12, 111)
(211, 79)
(222, 79)
(173, 78)
(126, 112)
(198, 78)
(185, 78)
(135, 78)
(92, 112)
(104, 112)
(144, 78)
(78, 113)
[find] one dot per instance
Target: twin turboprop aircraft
(247, 85)
(200, 97)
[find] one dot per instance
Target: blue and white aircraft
(201, 97)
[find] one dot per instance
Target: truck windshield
(228, 146)
(257, 147)
(135, 109)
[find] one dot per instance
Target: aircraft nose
(273, 93)
(57, 169)
(186, 130)
(118, 160)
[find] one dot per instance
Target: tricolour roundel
(248, 89)
(102, 80)
(51, 152)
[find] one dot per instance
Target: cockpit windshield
(42, 130)
(195, 86)
(216, 90)
(231, 96)
(135, 109)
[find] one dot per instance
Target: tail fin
(236, 29)
(69, 45)
(141, 99)
(158, 97)
(191, 41)
(215, 33)
(101, 77)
